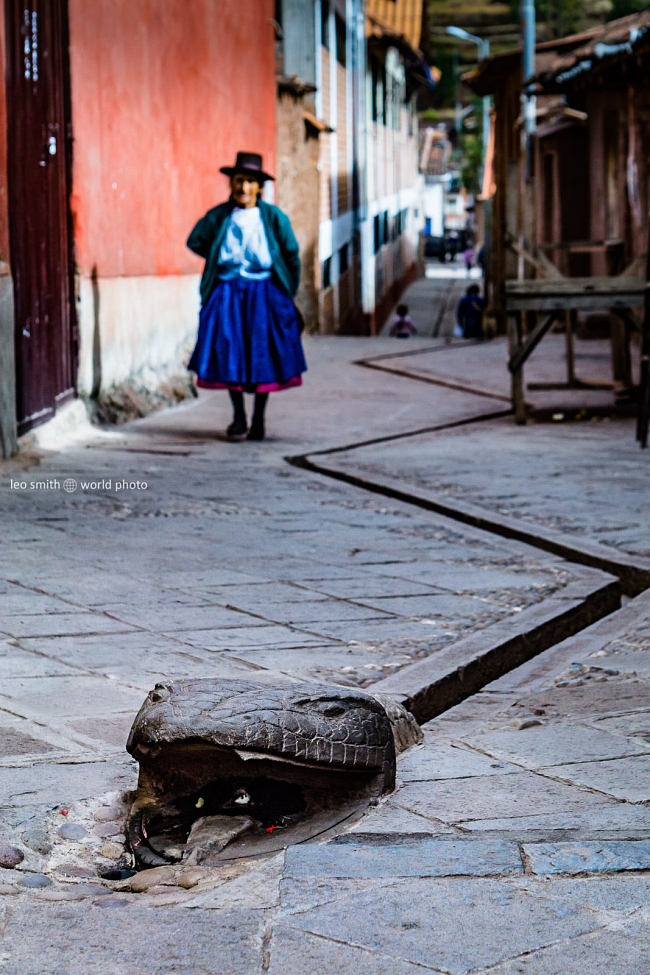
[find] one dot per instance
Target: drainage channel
(437, 683)
(378, 363)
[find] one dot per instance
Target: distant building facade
(351, 77)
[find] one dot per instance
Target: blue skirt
(249, 338)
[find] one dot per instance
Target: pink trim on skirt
(259, 387)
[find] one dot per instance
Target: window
(377, 228)
(341, 48)
(343, 259)
(378, 91)
(356, 193)
(327, 272)
(324, 23)
(374, 82)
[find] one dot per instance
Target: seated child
(469, 313)
(402, 325)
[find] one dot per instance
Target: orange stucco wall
(164, 92)
(4, 220)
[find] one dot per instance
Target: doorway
(39, 167)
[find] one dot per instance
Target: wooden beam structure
(560, 297)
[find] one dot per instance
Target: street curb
(431, 686)
(533, 674)
(633, 573)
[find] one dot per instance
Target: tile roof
(403, 16)
(593, 47)
(559, 61)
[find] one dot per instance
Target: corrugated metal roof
(403, 16)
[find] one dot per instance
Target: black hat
(248, 163)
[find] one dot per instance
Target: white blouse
(245, 249)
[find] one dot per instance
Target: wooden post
(517, 382)
(644, 381)
(569, 317)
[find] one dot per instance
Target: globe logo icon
(70, 485)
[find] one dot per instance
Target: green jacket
(207, 237)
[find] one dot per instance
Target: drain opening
(203, 805)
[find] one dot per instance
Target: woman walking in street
(249, 326)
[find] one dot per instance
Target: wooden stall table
(561, 298)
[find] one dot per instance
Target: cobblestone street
(517, 839)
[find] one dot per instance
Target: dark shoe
(237, 430)
(256, 432)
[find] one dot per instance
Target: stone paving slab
(624, 778)
(258, 888)
(584, 819)
(590, 701)
(588, 857)
(403, 856)
(48, 783)
(377, 587)
(616, 895)
(16, 661)
(353, 664)
(457, 925)
(14, 742)
(620, 951)
(62, 624)
(444, 760)
(62, 696)
(48, 939)
(130, 656)
(479, 797)
(261, 634)
(290, 948)
(394, 818)
(632, 725)
(555, 744)
(212, 624)
(632, 568)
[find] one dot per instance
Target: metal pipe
(483, 52)
(529, 102)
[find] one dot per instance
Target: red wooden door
(39, 141)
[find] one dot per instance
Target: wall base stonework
(134, 328)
